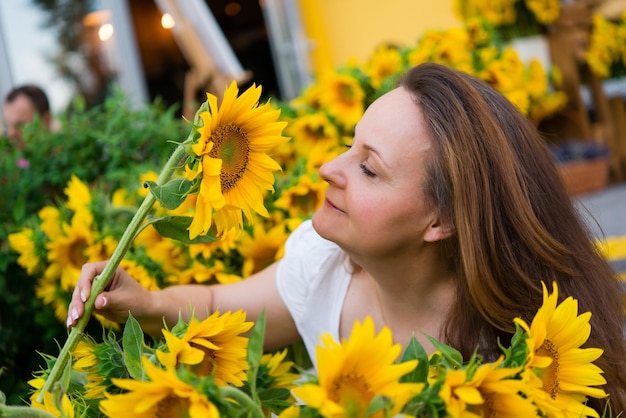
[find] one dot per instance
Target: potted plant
(583, 165)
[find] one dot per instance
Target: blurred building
(176, 50)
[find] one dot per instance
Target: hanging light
(105, 32)
(167, 21)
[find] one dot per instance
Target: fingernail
(82, 296)
(69, 321)
(104, 301)
(74, 314)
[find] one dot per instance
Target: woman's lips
(329, 203)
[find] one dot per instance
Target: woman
(442, 218)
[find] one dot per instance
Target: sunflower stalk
(242, 399)
(101, 281)
(23, 412)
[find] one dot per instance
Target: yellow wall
(345, 29)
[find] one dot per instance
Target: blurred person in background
(22, 106)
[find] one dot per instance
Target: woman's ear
(439, 230)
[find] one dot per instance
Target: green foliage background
(104, 145)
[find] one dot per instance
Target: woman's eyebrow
(376, 152)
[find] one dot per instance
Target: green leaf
(274, 399)
(379, 403)
(449, 354)
(415, 351)
(176, 227)
(171, 194)
(132, 343)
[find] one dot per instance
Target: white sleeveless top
(312, 279)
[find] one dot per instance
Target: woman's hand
(123, 294)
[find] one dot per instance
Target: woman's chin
(322, 225)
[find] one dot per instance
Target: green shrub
(109, 145)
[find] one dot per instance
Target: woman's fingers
(82, 291)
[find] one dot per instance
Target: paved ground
(608, 208)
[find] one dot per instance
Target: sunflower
(344, 98)
(67, 252)
(310, 130)
(277, 370)
(78, 195)
(262, 248)
(304, 197)
(165, 395)
(231, 163)
(560, 373)
(100, 362)
(213, 345)
(385, 62)
(489, 391)
(50, 403)
(351, 374)
(23, 242)
(215, 249)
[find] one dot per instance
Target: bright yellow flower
(491, 391)
(233, 166)
(213, 345)
(385, 62)
(101, 250)
(292, 411)
(78, 194)
(343, 97)
(195, 273)
(304, 197)
(262, 248)
(164, 395)
(279, 370)
(561, 374)
(148, 176)
(49, 404)
(352, 373)
(86, 361)
(613, 248)
(50, 221)
(23, 243)
(214, 249)
(139, 273)
(545, 11)
(311, 130)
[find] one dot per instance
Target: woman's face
(374, 203)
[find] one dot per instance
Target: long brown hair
(492, 176)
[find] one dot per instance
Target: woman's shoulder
(305, 238)
(308, 255)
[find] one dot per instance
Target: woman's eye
(366, 171)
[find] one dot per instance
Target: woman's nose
(332, 171)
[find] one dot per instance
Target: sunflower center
(353, 392)
(346, 93)
(231, 145)
(76, 253)
(550, 375)
(314, 132)
(206, 366)
(172, 406)
(306, 203)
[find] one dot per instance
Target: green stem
(23, 412)
(243, 399)
(101, 281)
